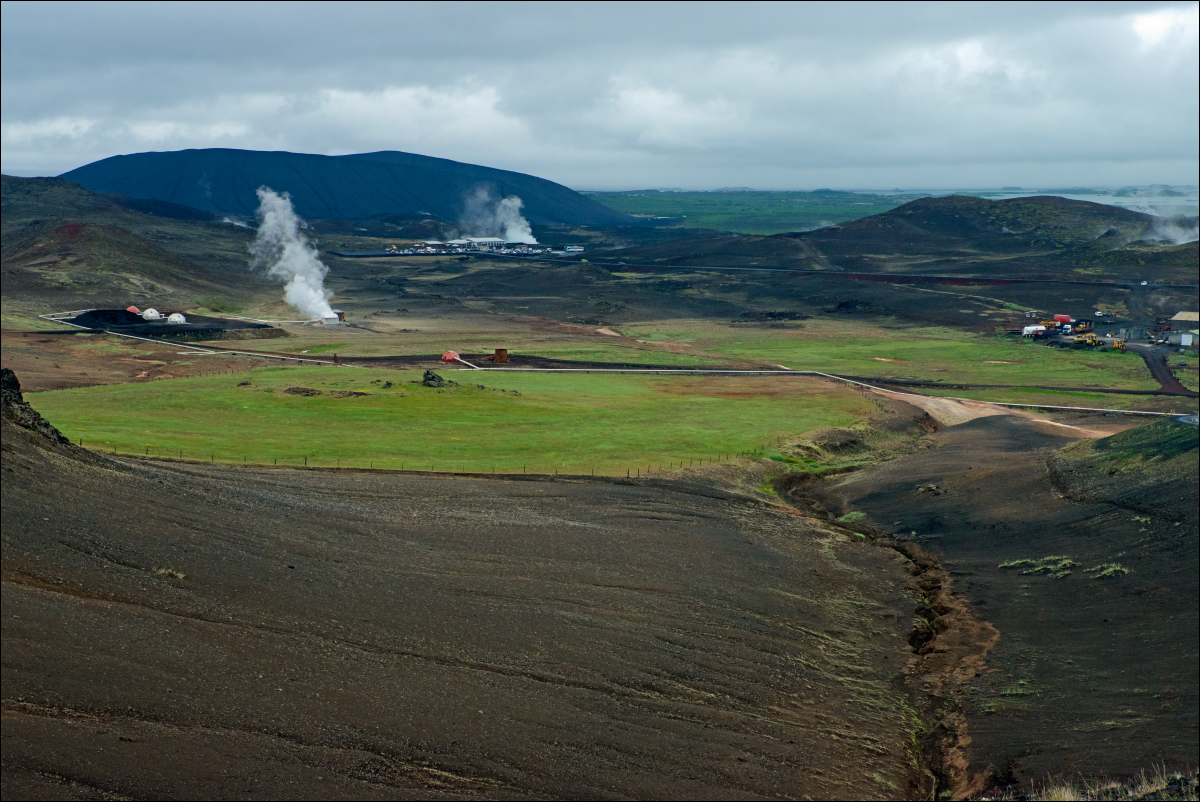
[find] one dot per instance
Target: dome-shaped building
(151, 314)
(176, 318)
(133, 309)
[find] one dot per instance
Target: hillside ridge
(224, 180)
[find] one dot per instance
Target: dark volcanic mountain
(223, 181)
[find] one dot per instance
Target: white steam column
(283, 249)
(486, 216)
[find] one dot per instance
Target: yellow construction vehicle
(1088, 339)
(1118, 344)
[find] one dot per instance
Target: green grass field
(862, 349)
(565, 423)
(754, 212)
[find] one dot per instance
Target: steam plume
(288, 255)
(485, 216)
(1176, 230)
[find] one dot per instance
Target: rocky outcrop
(431, 379)
(17, 411)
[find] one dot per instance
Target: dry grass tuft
(1158, 784)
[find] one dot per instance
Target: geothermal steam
(486, 216)
(288, 255)
(1175, 230)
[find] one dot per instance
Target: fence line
(302, 461)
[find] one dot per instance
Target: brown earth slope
(1086, 561)
(63, 245)
(104, 264)
(177, 630)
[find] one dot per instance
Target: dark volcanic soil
(176, 630)
(1091, 674)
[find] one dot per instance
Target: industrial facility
(168, 325)
(469, 245)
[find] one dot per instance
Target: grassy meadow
(751, 212)
(842, 347)
(541, 423)
(932, 354)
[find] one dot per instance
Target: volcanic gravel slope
(1086, 561)
(177, 630)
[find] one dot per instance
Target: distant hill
(100, 263)
(960, 224)
(28, 199)
(63, 244)
(223, 181)
(1020, 237)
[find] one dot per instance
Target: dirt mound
(1151, 469)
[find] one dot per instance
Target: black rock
(15, 409)
(431, 379)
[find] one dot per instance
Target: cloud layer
(624, 95)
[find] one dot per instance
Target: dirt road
(1160, 370)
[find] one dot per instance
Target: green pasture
(541, 423)
(926, 353)
(578, 348)
(755, 212)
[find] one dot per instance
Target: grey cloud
(619, 94)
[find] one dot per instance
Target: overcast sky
(692, 95)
